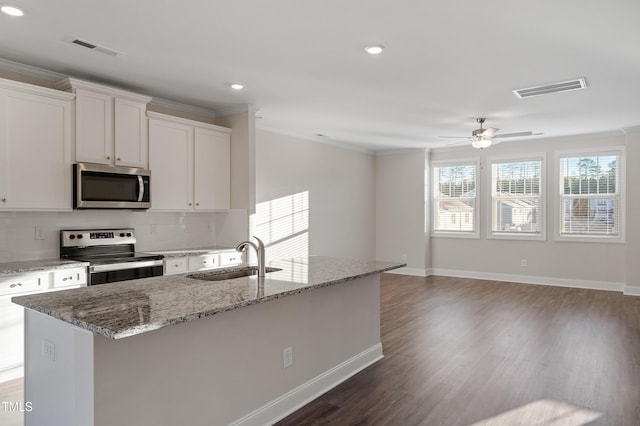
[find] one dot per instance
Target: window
(590, 195)
(517, 208)
(455, 199)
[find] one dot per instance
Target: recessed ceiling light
(237, 86)
(13, 11)
(374, 50)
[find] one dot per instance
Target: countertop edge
(151, 326)
(31, 266)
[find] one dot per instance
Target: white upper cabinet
(190, 164)
(212, 169)
(35, 147)
(171, 164)
(110, 125)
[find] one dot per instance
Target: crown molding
(31, 71)
(166, 103)
(186, 121)
(70, 84)
(35, 90)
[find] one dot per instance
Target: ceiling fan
(482, 138)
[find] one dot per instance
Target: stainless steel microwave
(96, 186)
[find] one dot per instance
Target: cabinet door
(171, 164)
(212, 173)
(94, 127)
(130, 133)
(35, 162)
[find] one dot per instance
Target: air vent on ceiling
(95, 47)
(562, 86)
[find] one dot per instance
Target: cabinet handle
(4, 200)
(67, 278)
(118, 159)
(108, 158)
(190, 204)
(15, 285)
(197, 204)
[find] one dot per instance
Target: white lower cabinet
(12, 315)
(190, 164)
(201, 262)
(176, 265)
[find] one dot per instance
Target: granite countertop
(8, 268)
(128, 308)
(186, 252)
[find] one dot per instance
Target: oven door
(111, 273)
(110, 187)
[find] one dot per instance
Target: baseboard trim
(415, 272)
(631, 291)
(11, 374)
(291, 401)
(528, 279)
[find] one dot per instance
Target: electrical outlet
(48, 350)
(524, 263)
(39, 233)
(152, 228)
(287, 357)
(404, 257)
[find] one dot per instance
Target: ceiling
(304, 67)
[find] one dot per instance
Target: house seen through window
(590, 195)
(455, 197)
(517, 197)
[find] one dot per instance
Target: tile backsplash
(154, 230)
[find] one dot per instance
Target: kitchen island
(182, 350)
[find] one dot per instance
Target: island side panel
(58, 372)
(229, 367)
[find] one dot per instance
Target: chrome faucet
(259, 248)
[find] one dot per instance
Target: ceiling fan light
(374, 49)
(13, 11)
(481, 143)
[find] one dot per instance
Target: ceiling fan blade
(466, 140)
(513, 135)
(454, 137)
(489, 132)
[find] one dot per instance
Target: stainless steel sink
(229, 275)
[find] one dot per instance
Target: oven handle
(140, 189)
(125, 265)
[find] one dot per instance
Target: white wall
(593, 265)
(339, 185)
(400, 210)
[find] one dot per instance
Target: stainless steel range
(111, 254)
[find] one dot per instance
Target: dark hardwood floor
(475, 352)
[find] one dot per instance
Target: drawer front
(69, 277)
(16, 284)
(206, 261)
(175, 266)
(230, 258)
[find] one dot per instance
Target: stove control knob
(80, 236)
(72, 237)
(122, 234)
(128, 234)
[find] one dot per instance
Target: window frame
(619, 151)
(542, 208)
(475, 234)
